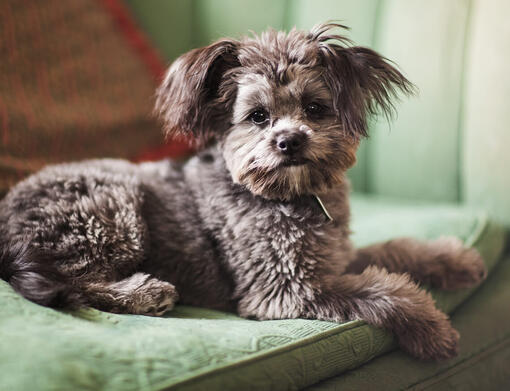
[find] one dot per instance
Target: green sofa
(440, 168)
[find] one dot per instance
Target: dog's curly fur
(239, 227)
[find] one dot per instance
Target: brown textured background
(71, 87)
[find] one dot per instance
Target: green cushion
(193, 348)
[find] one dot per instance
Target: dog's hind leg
(138, 294)
(444, 263)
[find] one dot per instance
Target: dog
(258, 221)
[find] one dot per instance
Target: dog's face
(284, 139)
(288, 110)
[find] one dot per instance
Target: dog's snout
(290, 143)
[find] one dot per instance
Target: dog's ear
(362, 82)
(189, 100)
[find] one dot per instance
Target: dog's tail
(33, 274)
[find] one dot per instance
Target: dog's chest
(258, 236)
(275, 254)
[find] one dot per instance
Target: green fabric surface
(417, 155)
(486, 139)
(176, 26)
(168, 23)
(193, 348)
(234, 18)
(483, 362)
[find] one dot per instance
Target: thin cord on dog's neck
(323, 207)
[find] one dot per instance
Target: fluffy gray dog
(257, 223)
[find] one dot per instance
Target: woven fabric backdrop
(77, 80)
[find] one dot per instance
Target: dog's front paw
(433, 340)
(155, 297)
(457, 267)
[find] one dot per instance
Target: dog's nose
(291, 143)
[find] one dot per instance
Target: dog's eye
(314, 109)
(259, 116)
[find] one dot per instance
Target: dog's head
(288, 110)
